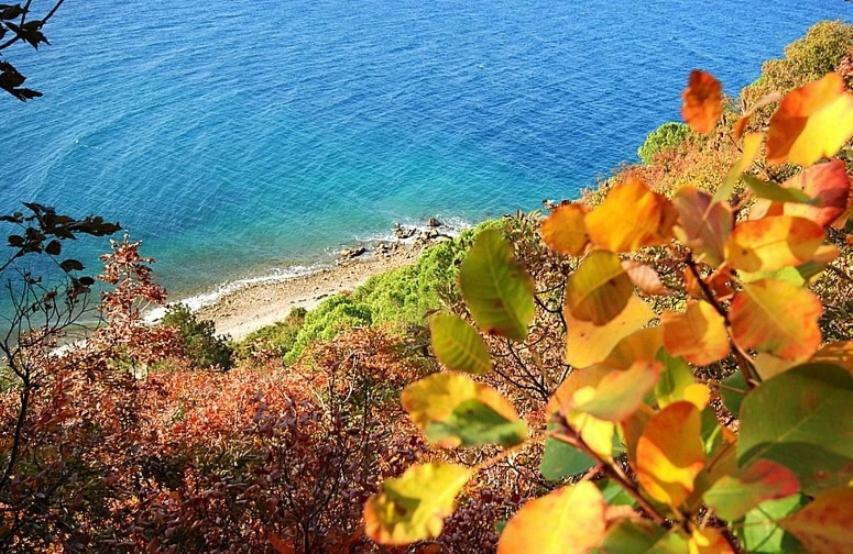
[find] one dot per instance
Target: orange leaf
(812, 121)
(670, 454)
(564, 229)
(705, 225)
(645, 278)
(773, 242)
(702, 102)
(569, 520)
(698, 335)
(630, 217)
(825, 524)
(829, 184)
(776, 317)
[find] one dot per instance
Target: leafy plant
(668, 135)
(204, 348)
(640, 409)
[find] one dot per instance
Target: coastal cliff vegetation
(662, 365)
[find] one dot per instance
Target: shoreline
(242, 307)
(239, 312)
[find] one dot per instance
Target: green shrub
(277, 339)
(669, 135)
(396, 300)
(334, 315)
(205, 349)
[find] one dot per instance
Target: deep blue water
(233, 137)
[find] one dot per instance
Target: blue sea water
(236, 137)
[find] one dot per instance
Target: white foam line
(450, 226)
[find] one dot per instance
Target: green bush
(396, 300)
(205, 349)
(326, 321)
(278, 338)
(669, 135)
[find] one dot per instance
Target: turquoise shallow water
(235, 137)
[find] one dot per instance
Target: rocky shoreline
(242, 311)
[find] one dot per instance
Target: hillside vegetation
(419, 414)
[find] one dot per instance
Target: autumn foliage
(700, 410)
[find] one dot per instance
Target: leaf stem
(612, 471)
(744, 364)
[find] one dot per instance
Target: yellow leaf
(642, 345)
(605, 393)
(670, 453)
(438, 398)
(598, 289)
(569, 520)
(773, 243)
(630, 217)
(564, 230)
(776, 317)
(708, 541)
(769, 365)
(825, 525)
(702, 102)
(704, 225)
(588, 343)
(811, 122)
(698, 334)
(413, 507)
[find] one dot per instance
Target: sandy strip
(242, 311)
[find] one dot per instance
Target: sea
(252, 140)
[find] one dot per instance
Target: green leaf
(458, 345)
(761, 534)
(732, 496)
(677, 383)
(631, 536)
(599, 288)
(789, 274)
(476, 423)
(561, 460)
(453, 410)
(733, 389)
(671, 543)
(413, 506)
(803, 419)
(772, 191)
(498, 291)
(614, 494)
